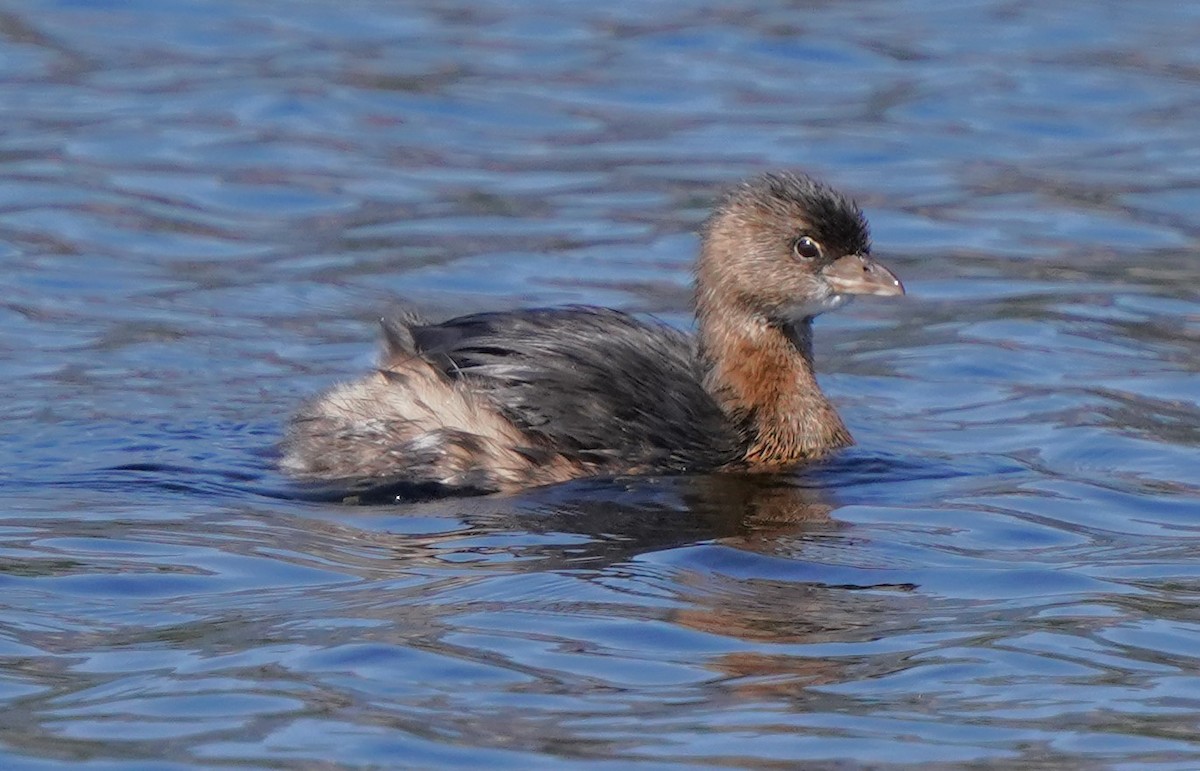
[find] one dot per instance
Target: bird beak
(859, 274)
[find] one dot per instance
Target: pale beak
(859, 274)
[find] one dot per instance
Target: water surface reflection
(206, 205)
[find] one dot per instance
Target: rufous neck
(761, 373)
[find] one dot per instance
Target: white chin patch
(817, 306)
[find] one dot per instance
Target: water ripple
(205, 206)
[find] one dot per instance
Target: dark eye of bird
(805, 248)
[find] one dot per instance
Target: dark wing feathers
(594, 383)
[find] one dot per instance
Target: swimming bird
(501, 401)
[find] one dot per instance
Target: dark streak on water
(205, 205)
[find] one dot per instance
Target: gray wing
(595, 384)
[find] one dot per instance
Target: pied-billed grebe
(503, 401)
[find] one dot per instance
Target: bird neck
(762, 375)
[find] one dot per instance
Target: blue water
(205, 205)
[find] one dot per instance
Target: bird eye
(805, 248)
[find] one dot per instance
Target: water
(205, 205)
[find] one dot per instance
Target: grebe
(507, 400)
